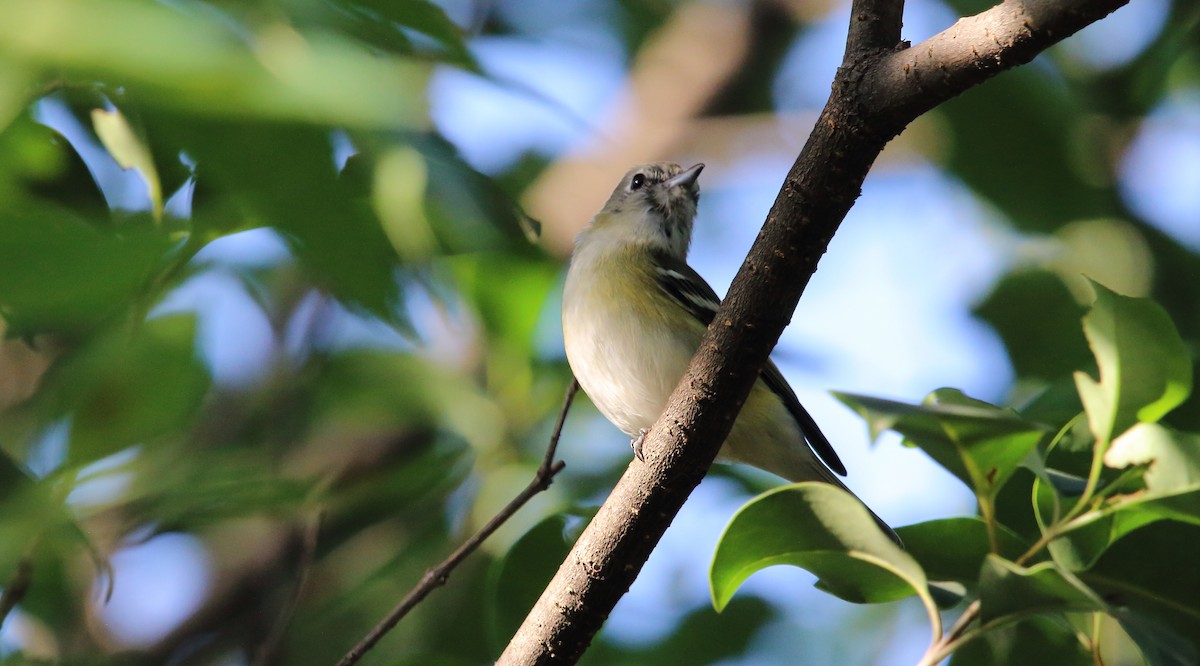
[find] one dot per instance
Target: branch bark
(881, 86)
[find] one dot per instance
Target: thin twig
(16, 588)
(269, 649)
(437, 576)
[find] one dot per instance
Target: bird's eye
(638, 181)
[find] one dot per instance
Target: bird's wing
(687, 288)
(812, 432)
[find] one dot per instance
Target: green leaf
(122, 391)
(1173, 457)
(192, 60)
(428, 19)
(335, 236)
(1036, 640)
(1038, 320)
(1007, 589)
(60, 273)
(979, 443)
(825, 530)
(1037, 195)
(128, 148)
(1145, 370)
(517, 580)
(1159, 644)
(1170, 490)
(1151, 575)
(953, 549)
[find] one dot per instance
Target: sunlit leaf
(398, 197)
(1173, 458)
(1169, 489)
(1145, 370)
(825, 530)
(130, 151)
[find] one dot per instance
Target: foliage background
(314, 291)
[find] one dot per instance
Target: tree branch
(874, 25)
(437, 576)
(913, 81)
(875, 94)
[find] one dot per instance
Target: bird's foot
(636, 445)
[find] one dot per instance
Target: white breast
(624, 347)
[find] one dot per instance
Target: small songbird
(633, 316)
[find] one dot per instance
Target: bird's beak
(685, 179)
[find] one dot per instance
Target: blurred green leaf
(1145, 370)
(373, 391)
(979, 443)
(398, 198)
(188, 59)
(510, 307)
(130, 151)
(120, 391)
(428, 19)
(825, 530)
(37, 527)
(703, 636)
(37, 164)
(469, 210)
(61, 274)
(1028, 111)
(953, 549)
(218, 486)
(1007, 589)
(336, 237)
(1038, 320)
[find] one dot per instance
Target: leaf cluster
(1091, 578)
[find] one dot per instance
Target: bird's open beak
(686, 178)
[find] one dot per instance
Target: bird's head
(654, 204)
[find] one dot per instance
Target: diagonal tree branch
(876, 93)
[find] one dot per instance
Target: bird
(633, 314)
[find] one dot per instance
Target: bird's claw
(636, 445)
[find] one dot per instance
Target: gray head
(655, 204)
